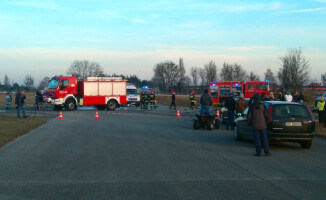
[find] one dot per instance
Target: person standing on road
(38, 97)
(8, 101)
(257, 117)
(230, 105)
(146, 100)
(20, 103)
(206, 103)
(321, 107)
(173, 101)
(152, 100)
(241, 104)
(192, 100)
(142, 100)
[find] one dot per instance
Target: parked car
(288, 122)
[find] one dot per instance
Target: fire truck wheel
(112, 105)
(70, 105)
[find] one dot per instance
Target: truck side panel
(119, 88)
(94, 100)
(105, 89)
(90, 89)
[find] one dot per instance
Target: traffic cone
(60, 115)
(178, 114)
(96, 115)
(218, 114)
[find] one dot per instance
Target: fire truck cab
(101, 92)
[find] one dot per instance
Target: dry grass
(12, 127)
(29, 101)
(180, 101)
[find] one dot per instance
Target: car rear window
(290, 111)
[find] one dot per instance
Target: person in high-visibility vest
(192, 100)
(152, 100)
(146, 100)
(320, 107)
(142, 100)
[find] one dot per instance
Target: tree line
(293, 73)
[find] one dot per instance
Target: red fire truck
(101, 92)
(223, 90)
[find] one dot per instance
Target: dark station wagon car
(288, 122)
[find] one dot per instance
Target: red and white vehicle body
(102, 92)
(223, 90)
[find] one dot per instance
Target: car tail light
(202, 118)
(270, 113)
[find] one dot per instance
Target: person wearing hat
(152, 100)
(146, 98)
(192, 100)
(320, 107)
(173, 101)
(142, 100)
(257, 117)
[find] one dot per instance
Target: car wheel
(196, 124)
(306, 144)
(217, 123)
(112, 105)
(70, 105)
(236, 135)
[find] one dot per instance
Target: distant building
(323, 80)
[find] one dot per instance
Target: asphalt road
(137, 154)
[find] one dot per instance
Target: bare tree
(269, 76)
(168, 75)
(253, 77)
(295, 70)
(29, 82)
(84, 69)
(233, 72)
(194, 73)
(6, 82)
(44, 83)
(203, 77)
(211, 72)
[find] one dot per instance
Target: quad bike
(208, 122)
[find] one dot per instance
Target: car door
(243, 126)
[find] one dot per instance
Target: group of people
(320, 107)
(297, 97)
(148, 100)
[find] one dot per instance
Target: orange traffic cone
(96, 115)
(217, 114)
(178, 114)
(60, 115)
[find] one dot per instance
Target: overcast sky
(42, 38)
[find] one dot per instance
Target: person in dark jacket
(230, 105)
(241, 104)
(301, 97)
(142, 100)
(38, 99)
(192, 100)
(257, 117)
(152, 100)
(206, 103)
(20, 103)
(173, 101)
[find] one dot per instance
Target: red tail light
(202, 118)
(270, 113)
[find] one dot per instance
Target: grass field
(12, 127)
(29, 101)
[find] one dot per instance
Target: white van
(133, 97)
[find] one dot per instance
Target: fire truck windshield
(53, 84)
(225, 91)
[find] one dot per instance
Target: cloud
(307, 10)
